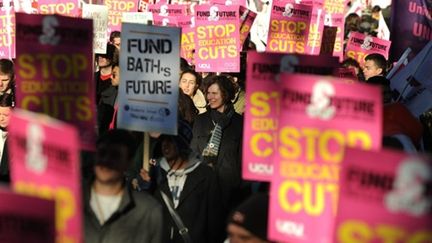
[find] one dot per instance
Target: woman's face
(188, 84)
(214, 97)
(103, 62)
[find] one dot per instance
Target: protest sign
(348, 73)
(164, 9)
(187, 23)
(25, 6)
(411, 26)
(289, 27)
(7, 34)
(229, 2)
(143, 5)
(54, 70)
(337, 20)
(217, 38)
(313, 44)
(247, 18)
(26, 219)
(62, 7)
(115, 11)
(360, 45)
(321, 116)
(328, 40)
(334, 6)
(148, 90)
(165, 20)
(45, 164)
(137, 17)
(385, 196)
(99, 14)
(263, 105)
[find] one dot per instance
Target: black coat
(228, 164)
(199, 207)
(4, 164)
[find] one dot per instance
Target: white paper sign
(99, 14)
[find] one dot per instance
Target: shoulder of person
(145, 200)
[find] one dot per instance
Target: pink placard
(229, 2)
(54, 70)
(313, 45)
(116, 9)
(262, 105)
(187, 23)
(385, 196)
(170, 21)
(335, 6)
(45, 164)
(289, 27)
(337, 20)
(321, 115)
(217, 38)
(7, 36)
(360, 45)
(62, 7)
(346, 73)
(143, 5)
(32, 218)
(164, 9)
(247, 18)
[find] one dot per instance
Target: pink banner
(170, 21)
(143, 5)
(321, 115)
(116, 9)
(385, 197)
(54, 70)
(289, 27)
(262, 105)
(7, 35)
(26, 219)
(247, 18)
(360, 45)
(45, 164)
(217, 38)
(229, 2)
(62, 7)
(187, 23)
(164, 10)
(346, 73)
(335, 6)
(313, 44)
(338, 21)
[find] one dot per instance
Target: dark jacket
(4, 164)
(199, 206)
(228, 162)
(106, 96)
(137, 220)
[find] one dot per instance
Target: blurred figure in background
(6, 107)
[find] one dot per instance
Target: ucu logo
(262, 169)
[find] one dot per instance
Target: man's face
(169, 149)
(110, 162)
(371, 69)
(4, 82)
(237, 234)
(5, 116)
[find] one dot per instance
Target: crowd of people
(193, 191)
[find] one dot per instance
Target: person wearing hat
(248, 222)
(112, 213)
(188, 187)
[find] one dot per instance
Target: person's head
(219, 93)
(184, 65)
(114, 152)
(186, 107)
(173, 147)
(6, 102)
(7, 75)
(248, 222)
(115, 75)
(109, 58)
(352, 63)
(190, 82)
(115, 39)
(375, 65)
(352, 22)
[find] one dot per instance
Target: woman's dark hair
(7, 67)
(114, 34)
(198, 78)
(7, 100)
(226, 87)
(186, 108)
(112, 54)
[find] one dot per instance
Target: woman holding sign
(217, 136)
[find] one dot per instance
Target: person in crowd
(112, 213)
(190, 82)
(351, 63)
(217, 137)
(184, 65)
(6, 106)
(115, 81)
(7, 78)
(187, 186)
(352, 22)
(375, 65)
(106, 92)
(115, 39)
(248, 222)
(240, 95)
(186, 108)
(206, 77)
